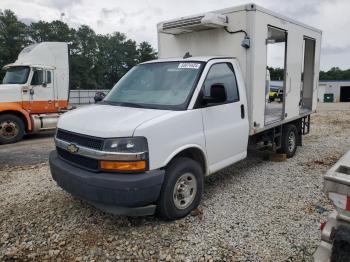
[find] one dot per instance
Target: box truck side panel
(293, 63)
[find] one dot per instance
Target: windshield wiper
(131, 104)
(124, 104)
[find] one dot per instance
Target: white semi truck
(168, 123)
(34, 91)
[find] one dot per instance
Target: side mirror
(99, 96)
(217, 94)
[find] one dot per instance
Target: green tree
(116, 55)
(13, 38)
(145, 52)
(335, 73)
(276, 74)
(83, 59)
(51, 31)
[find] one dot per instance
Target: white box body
(255, 21)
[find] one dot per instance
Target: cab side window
(38, 78)
(222, 73)
(48, 77)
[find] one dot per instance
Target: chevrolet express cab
(148, 145)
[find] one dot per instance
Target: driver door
(40, 96)
(225, 124)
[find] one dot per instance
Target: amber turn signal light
(123, 166)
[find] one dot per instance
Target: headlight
(126, 145)
(133, 154)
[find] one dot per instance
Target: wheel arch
(194, 152)
(22, 115)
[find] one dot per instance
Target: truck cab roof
(30, 65)
(192, 58)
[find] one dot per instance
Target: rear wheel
(289, 140)
(11, 129)
(341, 245)
(182, 189)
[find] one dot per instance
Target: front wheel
(11, 129)
(182, 189)
(289, 140)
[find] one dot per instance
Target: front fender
(170, 134)
(185, 147)
(16, 107)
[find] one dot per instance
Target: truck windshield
(16, 75)
(162, 85)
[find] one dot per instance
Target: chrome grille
(82, 140)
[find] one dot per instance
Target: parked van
(170, 122)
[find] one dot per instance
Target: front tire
(11, 129)
(289, 141)
(182, 189)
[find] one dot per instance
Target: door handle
(289, 87)
(242, 112)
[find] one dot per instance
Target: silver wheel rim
(291, 141)
(185, 191)
(8, 129)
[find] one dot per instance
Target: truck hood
(107, 121)
(10, 92)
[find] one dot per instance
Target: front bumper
(120, 194)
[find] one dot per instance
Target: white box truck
(168, 123)
(34, 91)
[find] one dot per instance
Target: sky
(138, 18)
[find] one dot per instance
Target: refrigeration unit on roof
(195, 23)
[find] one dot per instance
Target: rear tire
(289, 140)
(182, 189)
(341, 245)
(11, 129)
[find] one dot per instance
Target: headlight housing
(131, 154)
(126, 145)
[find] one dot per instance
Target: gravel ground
(33, 149)
(255, 210)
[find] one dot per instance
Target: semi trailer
(168, 123)
(34, 91)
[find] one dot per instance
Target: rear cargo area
(269, 35)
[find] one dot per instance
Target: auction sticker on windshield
(189, 65)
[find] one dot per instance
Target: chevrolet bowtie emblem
(72, 148)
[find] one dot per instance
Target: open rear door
(276, 44)
(307, 75)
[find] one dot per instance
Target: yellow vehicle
(275, 93)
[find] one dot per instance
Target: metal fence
(78, 97)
